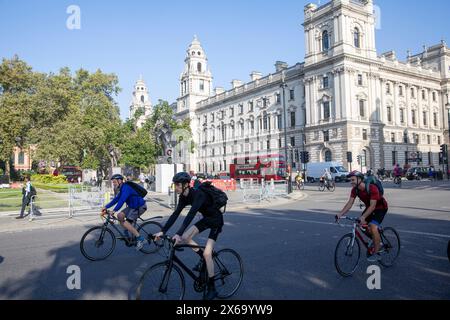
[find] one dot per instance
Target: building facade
(343, 98)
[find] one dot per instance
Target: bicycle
(300, 185)
(330, 185)
(347, 250)
(98, 243)
(398, 181)
(165, 280)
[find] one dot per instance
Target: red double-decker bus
(266, 167)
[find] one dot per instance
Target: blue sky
(136, 37)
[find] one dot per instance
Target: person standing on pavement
(27, 194)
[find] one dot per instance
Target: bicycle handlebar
(357, 220)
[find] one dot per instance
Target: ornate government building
(343, 97)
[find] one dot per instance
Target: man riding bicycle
(136, 206)
(326, 177)
(373, 215)
(298, 179)
(212, 219)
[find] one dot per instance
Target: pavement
(157, 203)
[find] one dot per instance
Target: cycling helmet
(117, 176)
(369, 173)
(356, 174)
(181, 177)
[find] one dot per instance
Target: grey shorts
(133, 214)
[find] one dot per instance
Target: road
(288, 253)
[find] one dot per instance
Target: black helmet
(117, 176)
(369, 172)
(181, 177)
(356, 174)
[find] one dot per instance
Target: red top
(374, 195)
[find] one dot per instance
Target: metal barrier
(266, 190)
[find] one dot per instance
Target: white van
(316, 169)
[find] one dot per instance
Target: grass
(11, 199)
(59, 188)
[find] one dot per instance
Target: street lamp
(283, 86)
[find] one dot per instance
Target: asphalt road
(288, 253)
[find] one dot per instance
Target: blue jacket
(126, 195)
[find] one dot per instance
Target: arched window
(199, 67)
(328, 156)
(21, 158)
(357, 38)
(142, 99)
(325, 41)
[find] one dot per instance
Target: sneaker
(140, 242)
(374, 258)
(20, 217)
(198, 266)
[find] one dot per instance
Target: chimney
(219, 90)
(280, 65)
(236, 83)
(255, 75)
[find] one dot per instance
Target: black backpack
(139, 189)
(219, 198)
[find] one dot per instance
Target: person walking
(28, 192)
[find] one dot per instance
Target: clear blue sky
(136, 37)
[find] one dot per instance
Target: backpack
(33, 191)
(373, 180)
(218, 197)
(139, 189)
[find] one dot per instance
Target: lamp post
(283, 86)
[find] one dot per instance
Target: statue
(164, 135)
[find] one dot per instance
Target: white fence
(257, 192)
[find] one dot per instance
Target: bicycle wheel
(391, 246)
(229, 272)
(322, 187)
(97, 243)
(332, 186)
(347, 254)
(157, 284)
(147, 229)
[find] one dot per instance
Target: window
(413, 116)
(434, 96)
(326, 135)
(405, 137)
(413, 94)
(360, 80)
(241, 109)
(402, 115)
(278, 98)
(423, 94)
(424, 118)
(388, 88)
(394, 158)
(356, 38)
(439, 140)
(142, 99)
(362, 112)
(265, 102)
(21, 159)
(435, 122)
(392, 137)
(250, 106)
(279, 121)
(325, 82)
(292, 119)
(400, 91)
(389, 114)
(364, 133)
(232, 112)
(292, 141)
(428, 139)
(199, 67)
(326, 110)
(328, 156)
(212, 117)
(291, 94)
(265, 122)
(325, 41)
(202, 85)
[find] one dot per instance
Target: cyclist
(373, 215)
(136, 206)
(298, 179)
(326, 177)
(212, 219)
(397, 172)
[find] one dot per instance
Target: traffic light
(306, 157)
(444, 150)
(349, 157)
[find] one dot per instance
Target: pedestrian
(28, 192)
(79, 180)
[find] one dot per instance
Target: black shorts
(214, 223)
(376, 217)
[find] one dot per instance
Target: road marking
(446, 236)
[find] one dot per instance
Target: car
(417, 173)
